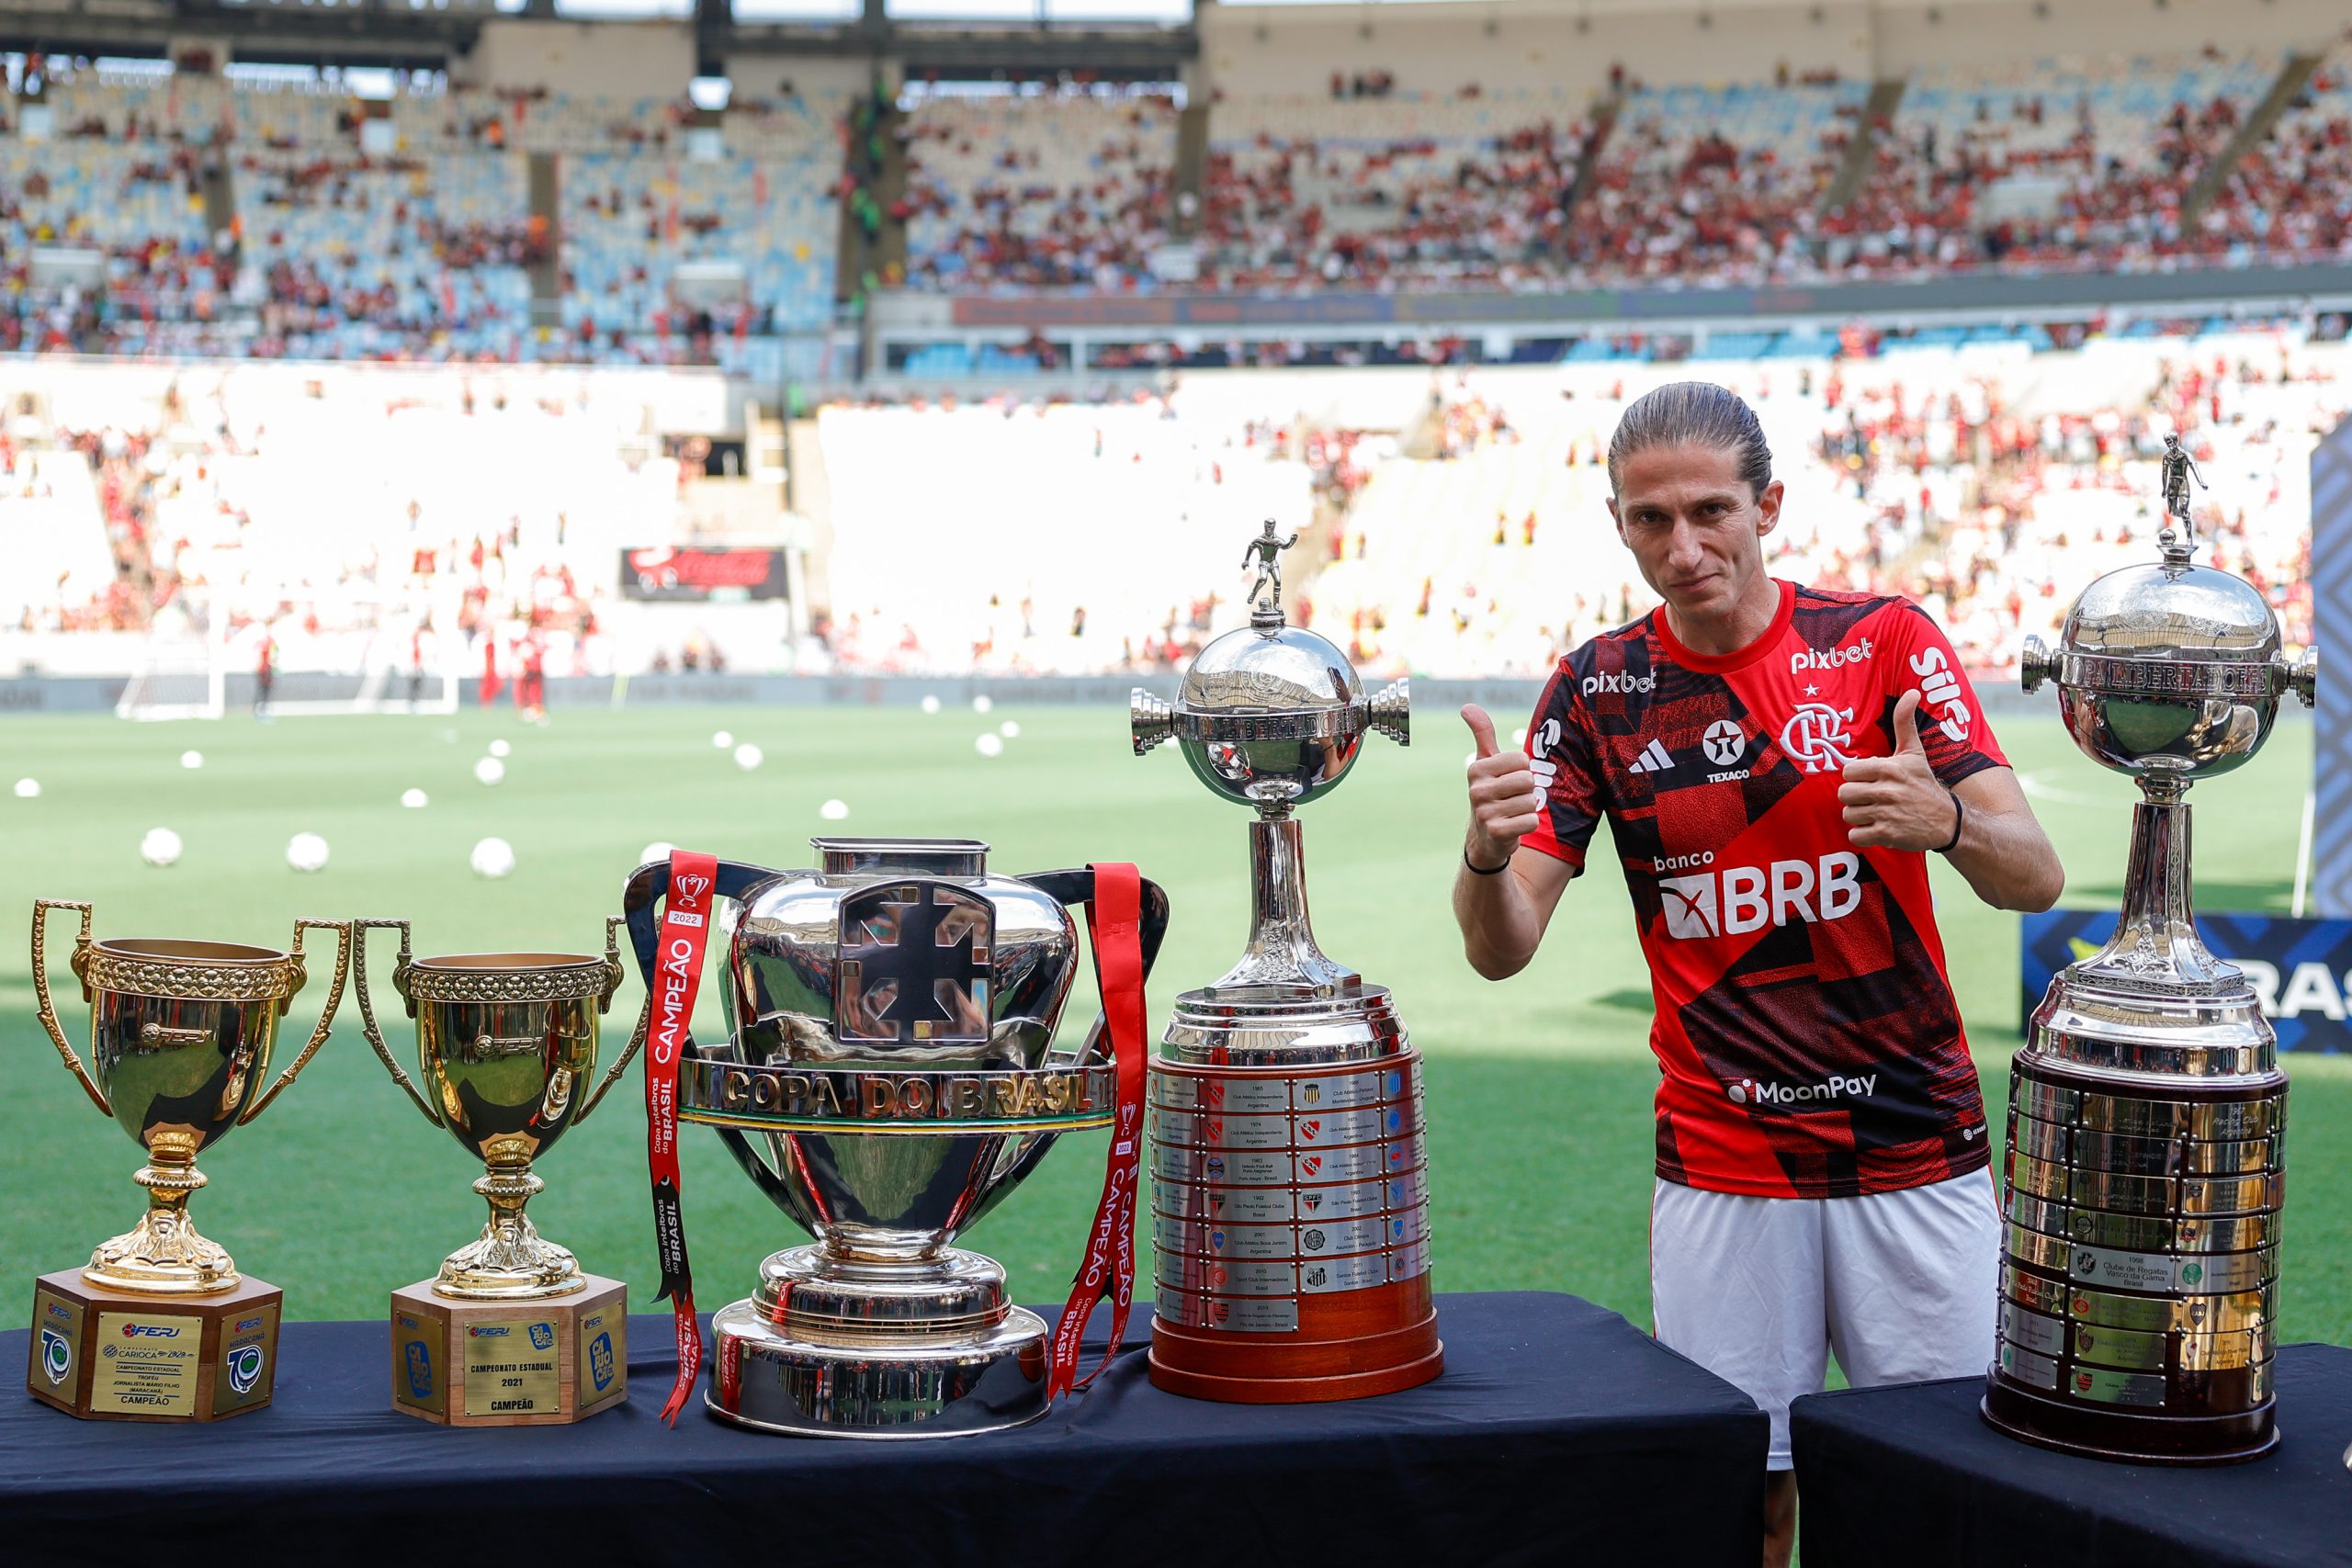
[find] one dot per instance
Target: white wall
(1254, 50)
(1520, 45)
(628, 60)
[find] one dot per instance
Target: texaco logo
(1816, 736)
(1724, 743)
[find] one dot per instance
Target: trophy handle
(342, 929)
(42, 907)
(613, 924)
(359, 929)
(644, 890)
(1077, 886)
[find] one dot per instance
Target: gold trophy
(510, 1333)
(161, 1326)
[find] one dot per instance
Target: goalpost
(183, 667)
(347, 651)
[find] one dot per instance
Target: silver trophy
(2147, 1113)
(890, 1074)
(1290, 1196)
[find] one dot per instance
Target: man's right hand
(1505, 804)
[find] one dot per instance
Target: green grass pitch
(1538, 1089)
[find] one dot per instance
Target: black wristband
(1959, 821)
(1476, 870)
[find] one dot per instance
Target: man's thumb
(1907, 723)
(1482, 728)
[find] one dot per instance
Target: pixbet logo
(1829, 658)
(1616, 682)
(1743, 898)
(1939, 691)
(1753, 1091)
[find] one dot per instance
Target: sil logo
(244, 1368)
(600, 1362)
(542, 1335)
(56, 1356)
(418, 1363)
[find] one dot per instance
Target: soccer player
(1776, 762)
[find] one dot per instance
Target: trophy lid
(2173, 613)
(1265, 671)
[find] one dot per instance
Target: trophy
(2147, 1113)
(890, 1075)
(510, 1333)
(1290, 1193)
(161, 1326)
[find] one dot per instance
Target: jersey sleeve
(1560, 752)
(1953, 726)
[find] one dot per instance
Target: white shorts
(1901, 1286)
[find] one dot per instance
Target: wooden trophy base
(1355, 1345)
(517, 1363)
(109, 1355)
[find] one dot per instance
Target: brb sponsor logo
(1753, 1091)
(1939, 691)
(1742, 898)
(1618, 683)
(1829, 658)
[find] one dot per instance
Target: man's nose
(1682, 548)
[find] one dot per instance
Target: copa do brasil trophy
(891, 1072)
(161, 1325)
(2147, 1113)
(510, 1332)
(1290, 1195)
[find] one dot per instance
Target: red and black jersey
(1805, 1028)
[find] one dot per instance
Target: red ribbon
(1115, 925)
(685, 926)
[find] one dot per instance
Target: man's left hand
(1896, 802)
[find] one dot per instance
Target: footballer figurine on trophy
(1290, 1193)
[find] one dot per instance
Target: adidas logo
(1653, 760)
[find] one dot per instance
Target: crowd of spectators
(1036, 192)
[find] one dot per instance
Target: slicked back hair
(1692, 413)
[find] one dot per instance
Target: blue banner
(2301, 969)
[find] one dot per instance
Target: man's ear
(1767, 508)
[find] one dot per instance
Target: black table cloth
(1912, 1474)
(1559, 1434)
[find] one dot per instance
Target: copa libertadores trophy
(890, 1075)
(1290, 1196)
(510, 1332)
(161, 1326)
(2147, 1113)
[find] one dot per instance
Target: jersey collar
(1739, 658)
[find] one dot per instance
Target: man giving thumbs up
(1775, 763)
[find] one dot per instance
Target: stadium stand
(1064, 190)
(1466, 189)
(2292, 195)
(1715, 182)
(2003, 167)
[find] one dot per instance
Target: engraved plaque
(145, 1363)
(510, 1366)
